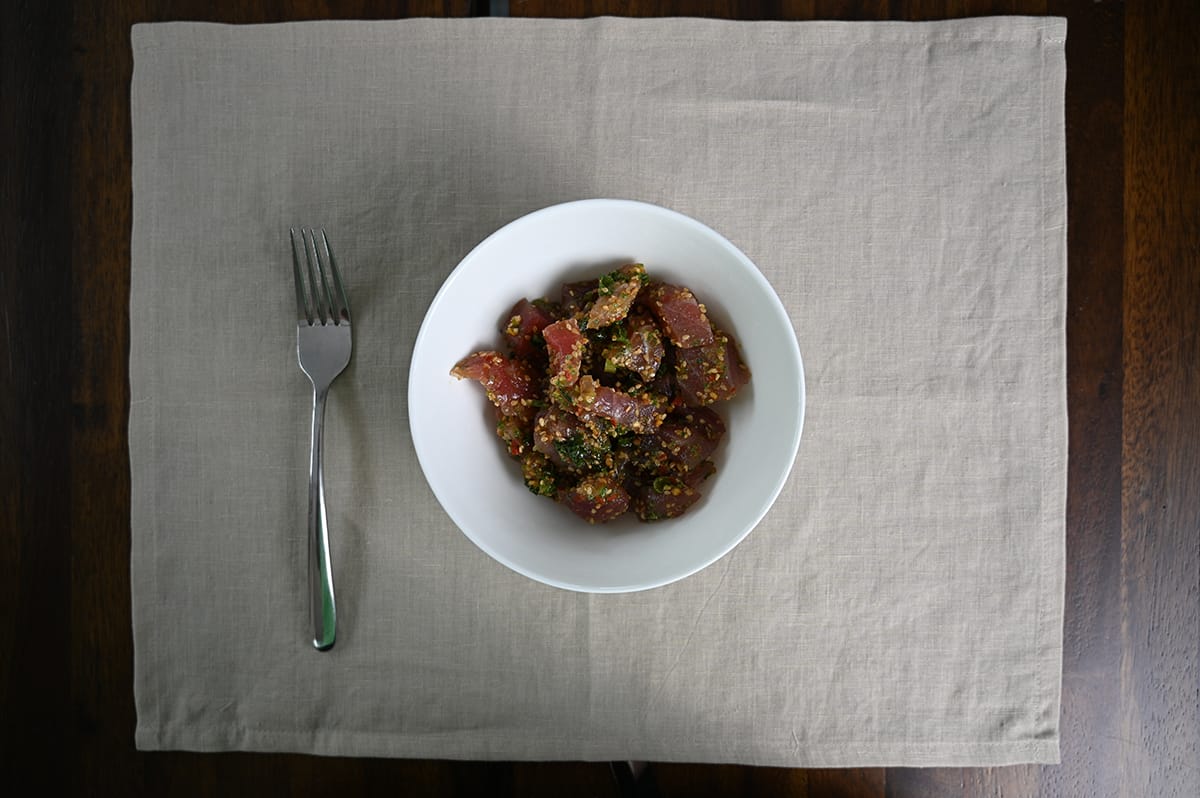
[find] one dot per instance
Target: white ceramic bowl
(480, 487)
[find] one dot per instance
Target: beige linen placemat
(901, 186)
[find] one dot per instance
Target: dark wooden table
(1131, 681)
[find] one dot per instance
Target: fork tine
(317, 286)
(302, 306)
(341, 303)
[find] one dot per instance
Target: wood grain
(35, 409)
(101, 652)
(1095, 180)
(1130, 723)
(1160, 496)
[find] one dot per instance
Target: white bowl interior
(480, 487)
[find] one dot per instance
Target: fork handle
(320, 575)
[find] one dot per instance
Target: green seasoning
(581, 455)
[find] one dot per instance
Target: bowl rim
(418, 436)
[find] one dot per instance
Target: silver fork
(323, 345)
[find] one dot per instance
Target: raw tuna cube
(525, 321)
(664, 497)
(567, 442)
(687, 438)
(615, 293)
(700, 473)
(683, 319)
(510, 384)
(595, 401)
(566, 345)
(597, 498)
(712, 373)
(642, 350)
